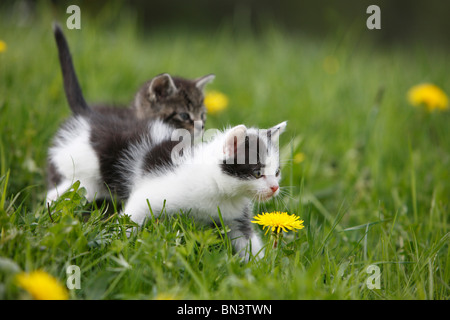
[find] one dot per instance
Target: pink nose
(274, 188)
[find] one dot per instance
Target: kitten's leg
(245, 240)
(137, 207)
(53, 195)
(92, 192)
(139, 212)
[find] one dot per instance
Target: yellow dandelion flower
(3, 46)
(215, 101)
(299, 157)
(278, 221)
(42, 286)
(429, 95)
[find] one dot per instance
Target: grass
(373, 187)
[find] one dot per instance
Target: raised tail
(72, 88)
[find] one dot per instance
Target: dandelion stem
(277, 236)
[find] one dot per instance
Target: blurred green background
(402, 21)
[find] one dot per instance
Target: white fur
(75, 159)
(199, 186)
(159, 131)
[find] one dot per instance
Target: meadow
(367, 172)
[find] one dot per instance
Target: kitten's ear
(161, 86)
(277, 130)
(203, 81)
(234, 137)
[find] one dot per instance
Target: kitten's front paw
(256, 247)
(250, 249)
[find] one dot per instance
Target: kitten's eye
(257, 173)
(277, 173)
(184, 116)
(203, 116)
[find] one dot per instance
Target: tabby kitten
(174, 100)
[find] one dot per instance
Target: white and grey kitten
(140, 161)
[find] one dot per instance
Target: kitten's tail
(72, 88)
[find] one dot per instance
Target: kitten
(237, 166)
(172, 99)
(140, 160)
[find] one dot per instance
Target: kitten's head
(176, 101)
(252, 157)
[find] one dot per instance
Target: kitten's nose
(274, 188)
